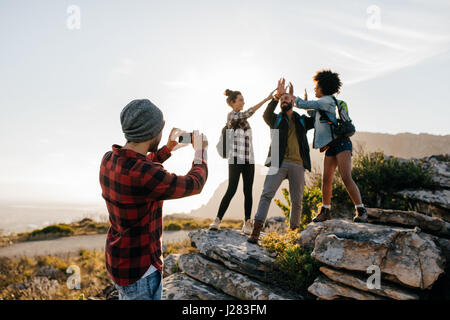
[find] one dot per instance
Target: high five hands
(282, 88)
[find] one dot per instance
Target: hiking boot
(247, 227)
(323, 215)
(257, 227)
(361, 215)
(215, 225)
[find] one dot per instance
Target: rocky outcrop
(410, 251)
(325, 289)
(434, 201)
(409, 259)
(180, 286)
(228, 281)
(410, 219)
(359, 282)
(227, 264)
(232, 249)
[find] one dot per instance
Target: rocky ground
(410, 249)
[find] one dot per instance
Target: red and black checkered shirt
(134, 187)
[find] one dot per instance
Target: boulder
(407, 256)
(230, 282)
(438, 198)
(326, 289)
(180, 286)
(439, 166)
(232, 249)
(359, 282)
(171, 264)
(410, 219)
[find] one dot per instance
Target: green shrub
(57, 229)
(312, 198)
(298, 269)
(173, 226)
(378, 178)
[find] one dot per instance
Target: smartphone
(185, 138)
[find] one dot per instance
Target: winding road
(73, 244)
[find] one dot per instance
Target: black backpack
(344, 126)
(222, 148)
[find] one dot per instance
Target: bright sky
(62, 90)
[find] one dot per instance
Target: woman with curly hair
(338, 149)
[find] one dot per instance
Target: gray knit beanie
(141, 120)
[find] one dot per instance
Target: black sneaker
(361, 215)
(324, 214)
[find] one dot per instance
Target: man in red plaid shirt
(134, 185)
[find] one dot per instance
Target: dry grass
(183, 247)
(170, 224)
(18, 276)
(20, 280)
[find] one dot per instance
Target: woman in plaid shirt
(241, 158)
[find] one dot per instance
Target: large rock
(230, 282)
(403, 255)
(435, 201)
(232, 249)
(359, 282)
(439, 166)
(410, 219)
(180, 286)
(439, 198)
(326, 289)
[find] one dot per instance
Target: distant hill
(404, 145)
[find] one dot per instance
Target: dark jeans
(234, 172)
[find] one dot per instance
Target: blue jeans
(148, 288)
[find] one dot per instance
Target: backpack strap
(338, 106)
(278, 120)
(301, 121)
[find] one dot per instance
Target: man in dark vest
(288, 157)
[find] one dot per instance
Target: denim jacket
(322, 130)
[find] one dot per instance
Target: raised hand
(306, 95)
(291, 89)
(281, 87)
